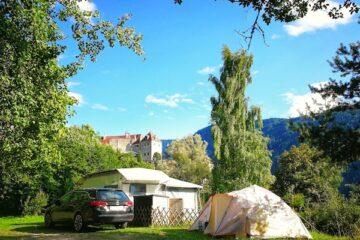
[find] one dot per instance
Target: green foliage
(34, 206)
(335, 138)
(337, 217)
(128, 160)
(81, 153)
(303, 170)
(347, 64)
(34, 99)
(315, 169)
(190, 161)
(241, 150)
(296, 201)
(157, 157)
(288, 11)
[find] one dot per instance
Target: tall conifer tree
(241, 150)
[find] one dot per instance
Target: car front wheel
(79, 224)
(48, 220)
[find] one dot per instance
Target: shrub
(34, 206)
(296, 201)
(339, 217)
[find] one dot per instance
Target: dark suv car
(91, 206)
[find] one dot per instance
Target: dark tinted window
(137, 189)
(80, 196)
(108, 194)
(66, 198)
(75, 196)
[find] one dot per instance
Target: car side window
(85, 196)
(78, 196)
(66, 198)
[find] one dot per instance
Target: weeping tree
(240, 148)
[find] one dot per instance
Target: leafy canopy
(338, 138)
(34, 100)
(189, 160)
(346, 91)
(288, 11)
(240, 148)
(304, 170)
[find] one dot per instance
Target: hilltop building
(146, 145)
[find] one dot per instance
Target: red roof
(150, 137)
(136, 137)
(106, 139)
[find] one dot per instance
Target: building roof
(137, 138)
(143, 175)
(150, 137)
(172, 182)
(107, 139)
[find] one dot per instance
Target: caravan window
(137, 189)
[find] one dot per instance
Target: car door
(58, 211)
(72, 206)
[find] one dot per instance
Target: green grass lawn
(32, 227)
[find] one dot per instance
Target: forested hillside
(277, 130)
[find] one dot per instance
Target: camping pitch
(252, 211)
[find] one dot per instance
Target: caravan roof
(143, 175)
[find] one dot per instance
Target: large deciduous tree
(240, 148)
(304, 170)
(189, 160)
(34, 99)
(83, 153)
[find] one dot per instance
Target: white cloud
(317, 20)
(253, 73)
(169, 100)
(86, 5)
(121, 109)
(151, 113)
(71, 84)
(99, 106)
(299, 104)
(78, 97)
(275, 36)
(207, 70)
(61, 57)
(200, 83)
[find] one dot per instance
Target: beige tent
(252, 211)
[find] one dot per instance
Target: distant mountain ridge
(277, 130)
(282, 139)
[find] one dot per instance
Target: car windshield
(118, 195)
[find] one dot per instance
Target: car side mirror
(57, 202)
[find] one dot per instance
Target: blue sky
(168, 92)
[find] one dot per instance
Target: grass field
(31, 227)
